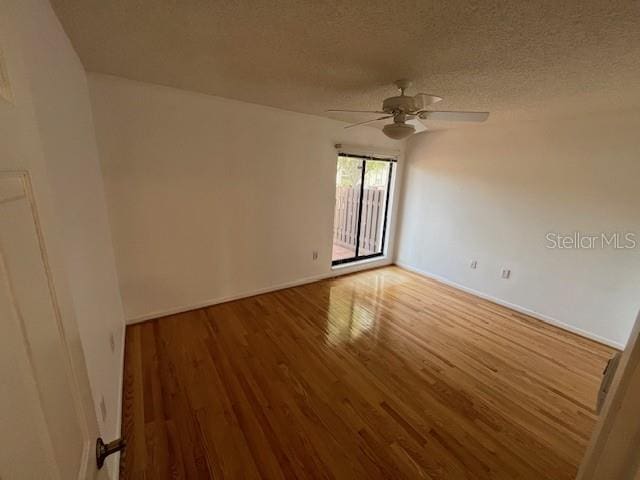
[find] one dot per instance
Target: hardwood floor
(381, 374)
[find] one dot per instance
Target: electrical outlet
(315, 254)
(112, 342)
(506, 273)
(103, 409)
(473, 264)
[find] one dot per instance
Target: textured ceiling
(517, 59)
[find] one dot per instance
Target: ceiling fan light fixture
(398, 131)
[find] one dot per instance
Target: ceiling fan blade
(454, 116)
(423, 100)
(418, 124)
(354, 111)
(368, 121)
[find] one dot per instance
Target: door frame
(614, 449)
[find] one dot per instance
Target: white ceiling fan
(405, 110)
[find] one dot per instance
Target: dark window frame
(356, 257)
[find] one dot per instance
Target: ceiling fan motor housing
(402, 103)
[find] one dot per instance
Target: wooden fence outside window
(345, 223)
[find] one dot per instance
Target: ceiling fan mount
(403, 84)
(406, 110)
(405, 104)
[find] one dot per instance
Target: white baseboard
(335, 272)
(512, 306)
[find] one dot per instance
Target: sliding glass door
(361, 210)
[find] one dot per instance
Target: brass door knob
(103, 450)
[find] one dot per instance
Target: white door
(47, 425)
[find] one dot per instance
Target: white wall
(492, 193)
(48, 131)
(212, 198)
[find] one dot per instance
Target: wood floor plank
(380, 374)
